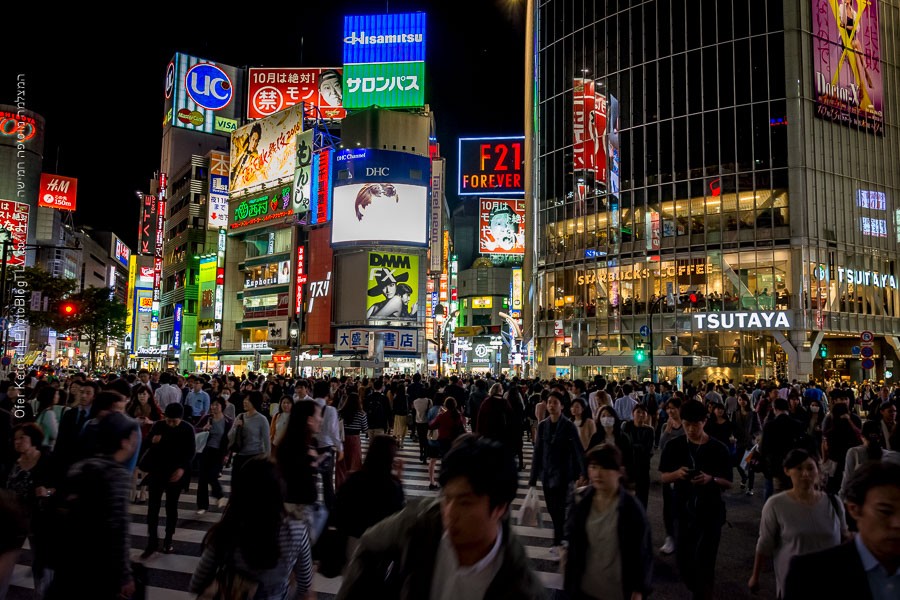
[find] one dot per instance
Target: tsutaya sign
(859, 277)
(742, 320)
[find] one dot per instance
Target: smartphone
(693, 473)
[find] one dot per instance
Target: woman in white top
(871, 450)
(799, 521)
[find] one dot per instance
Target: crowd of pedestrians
(77, 450)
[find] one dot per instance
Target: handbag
(238, 441)
(330, 551)
(229, 583)
(200, 440)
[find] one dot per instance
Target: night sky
(100, 89)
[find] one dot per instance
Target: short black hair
(605, 456)
(321, 388)
(781, 404)
(33, 431)
(693, 411)
(796, 457)
(871, 475)
(488, 467)
(112, 429)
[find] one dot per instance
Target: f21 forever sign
(380, 196)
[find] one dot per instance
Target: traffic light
(640, 354)
(68, 308)
(823, 351)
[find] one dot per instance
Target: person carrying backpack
(378, 410)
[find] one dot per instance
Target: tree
(99, 317)
(54, 289)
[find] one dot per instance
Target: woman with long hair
(143, 408)
(256, 539)
(280, 420)
(449, 425)
(746, 432)
(871, 450)
(355, 424)
(217, 425)
(519, 424)
(46, 416)
(838, 439)
(371, 494)
(814, 424)
(797, 521)
(297, 456)
(609, 552)
(250, 434)
(583, 422)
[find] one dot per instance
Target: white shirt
(167, 394)
(452, 582)
(329, 432)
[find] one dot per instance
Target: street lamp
(111, 350)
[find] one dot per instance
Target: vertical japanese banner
(847, 62)
(436, 221)
(303, 174)
(14, 218)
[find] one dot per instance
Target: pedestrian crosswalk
(169, 574)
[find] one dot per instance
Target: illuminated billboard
(398, 341)
(176, 326)
(217, 206)
(380, 196)
(501, 226)
(847, 78)
(57, 192)
(384, 60)
(142, 311)
(303, 175)
(493, 166)
(14, 218)
(121, 252)
(322, 191)
(207, 288)
(147, 226)
(318, 287)
(260, 209)
(595, 125)
(273, 90)
(392, 286)
(264, 151)
(202, 95)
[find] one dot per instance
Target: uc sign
(491, 166)
(209, 86)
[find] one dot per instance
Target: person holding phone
(699, 467)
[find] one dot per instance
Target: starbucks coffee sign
(750, 320)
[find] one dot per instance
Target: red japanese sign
(319, 296)
(272, 90)
(57, 192)
(301, 279)
(501, 226)
(589, 128)
(14, 219)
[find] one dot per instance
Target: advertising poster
(321, 198)
(380, 196)
(147, 226)
(319, 288)
(303, 174)
(273, 90)
(589, 123)
(847, 81)
(121, 252)
(501, 226)
(492, 166)
(265, 150)
(258, 209)
(143, 300)
(398, 341)
(201, 95)
(58, 192)
(14, 219)
(207, 288)
(392, 286)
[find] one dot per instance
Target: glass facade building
(685, 174)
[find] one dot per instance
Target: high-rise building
(717, 181)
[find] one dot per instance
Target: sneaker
(669, 546)
(554, 553)
(201, 512)
(222, 502)
(749, 492)
(149, 551)
(168, 547)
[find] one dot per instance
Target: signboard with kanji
(398, 341)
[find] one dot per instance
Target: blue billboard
(176, 328)
(384, 38)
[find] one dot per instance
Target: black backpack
(375, 412)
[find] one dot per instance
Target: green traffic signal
(640, 355)
(823, 351)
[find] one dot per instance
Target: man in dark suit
(867, 568)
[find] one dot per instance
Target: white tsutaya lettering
(754, 321)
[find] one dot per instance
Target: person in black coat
(601, 506)
(558, 461)
(865, 568)
(779, 436)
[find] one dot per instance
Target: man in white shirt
(458, 546)
(167, 393)
(624, 406)
(328, 440)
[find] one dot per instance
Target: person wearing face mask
(871, 450)
(814, 425)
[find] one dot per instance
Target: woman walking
(249, 436)
(218, 426)
(355, 424)
(798, 521)
(257, 541)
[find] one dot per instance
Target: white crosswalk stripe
(169, 574)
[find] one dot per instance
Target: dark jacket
(410, 540)
(174, 451)
(476, 398)
(364, 500)
(635, 546)
(779, 437)
(496, 420)
(559, 460)
(833, 573)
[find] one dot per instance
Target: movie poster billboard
(207, 291)
(273, 90)
(380, 196)
(501, 226)
(848, 83)
(265, 150)
(392, 286)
